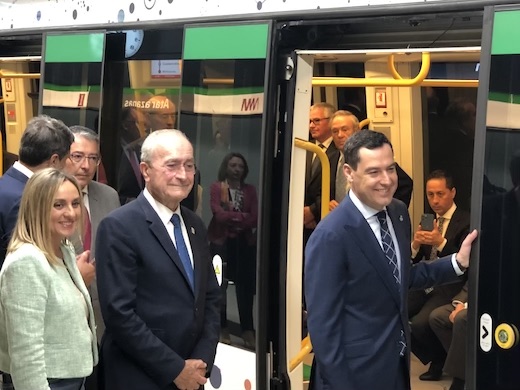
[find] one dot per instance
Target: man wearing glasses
(320, 132)
(98, 199)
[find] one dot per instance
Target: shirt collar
(23, 169)
(448, 214)
(164, 213)
(325, 143)
(365, 210)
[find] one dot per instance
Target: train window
(222, 107)
(71, 87)
(140, 95)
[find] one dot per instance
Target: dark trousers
(424, 343)
(453, 338)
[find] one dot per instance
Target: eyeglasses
(316, 121)
(175, 167)
(77, 158)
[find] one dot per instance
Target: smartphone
(427, 222)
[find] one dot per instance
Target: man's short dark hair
(441, 174)
(43, 137)
(363, 139)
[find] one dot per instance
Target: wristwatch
(462, 268)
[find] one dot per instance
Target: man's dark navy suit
(154, 320)
(356, 311)
(12, 184)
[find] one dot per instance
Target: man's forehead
(316, 111)
(437, 182)
(173, 148)
(341, 121)
(80, 141)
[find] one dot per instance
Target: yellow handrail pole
(364, 122)
(20, 75)
(392, 69)
(306, 348)
(214, 80)
(376, 81)
(1, 100)
(450, 83)
(433, 82)
(325, 172)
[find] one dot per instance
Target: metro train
(242, 80)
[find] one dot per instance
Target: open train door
(228, 109)
(493, 353)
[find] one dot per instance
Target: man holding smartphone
(437, 236)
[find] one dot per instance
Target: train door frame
(303, 61)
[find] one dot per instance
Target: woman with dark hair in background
(232, 233)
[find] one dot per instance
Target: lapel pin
(401, 218)
(192, 230)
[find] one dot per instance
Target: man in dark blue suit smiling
(157, 288)
(358, 272)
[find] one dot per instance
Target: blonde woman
(47, 330)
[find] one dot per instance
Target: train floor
(417, 368)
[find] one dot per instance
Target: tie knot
(321, 146)
(176, 220)
(381, 216)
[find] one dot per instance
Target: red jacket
(228, 223)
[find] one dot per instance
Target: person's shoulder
(128, 211)
(12, 180)
(399, 207)
(249, 187)
(104, 189)
(26, 254)
(461, 213)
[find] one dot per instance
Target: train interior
(221, 101)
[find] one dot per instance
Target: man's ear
(54, 161)
(348, 172)
(143, 167)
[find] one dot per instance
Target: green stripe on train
(226, 42)
(75, 47)
(506, 30)
(504, 97)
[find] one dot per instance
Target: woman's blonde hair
(33, 223)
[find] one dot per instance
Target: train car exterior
(238, 77)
